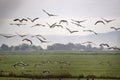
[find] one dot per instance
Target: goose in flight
(115, 28)
(90, 31)
(78, 21)
(20, 20)
(38, 25)
(21, 35)
(6, 36)
(27, 40)
(49, 13)
(58, 25)
(78, 24)
(52, 26)
(99, 21)
(39, 36)
(88, 42)
(42, 41)
(72, 31)
(33, 20)
(63, 21)
(108, 21)
(17, 24)
(102, 44)
(114, 48)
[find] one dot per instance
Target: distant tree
(36, 47)
(56, 46)
(4, 47)
(24, 47)
(39, 48)
(80, 47)
(29, 47)
(70, 46)
(17, 48)
(59, 46)
(12, 48)
(89, 47)
(49, 47)
(101, 48)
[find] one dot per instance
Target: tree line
(56, 46)
(22, 47)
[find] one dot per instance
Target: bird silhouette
(72, 31)
(39, 36)
(88, 42)
(63, 21)
(21, 35)
(42, 41)
(103, 44)
(27, 40)
(90, 31)
(78, 21)
(7, 36)
(58, 25)
(108, 21)
(20, 20)
(33, 20)
(52, 26)
(49, 13)
(17, 24)
(38, 25)
(78, 24)
(114, 48)
(99, 21)
(21, 64)
(115, 28)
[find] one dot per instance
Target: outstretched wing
(35, 19)
(27, 40)
(48, 13)
(24, 19)
(99, 22)
(71, 31)
(32, 20)
(64, 21)
(17, 20)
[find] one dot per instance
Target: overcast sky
(70, 8)
(90, 10)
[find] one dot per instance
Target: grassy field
(61, 63)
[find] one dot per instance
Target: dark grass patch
(12, 74)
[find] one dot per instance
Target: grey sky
(87, 8)
(74, 7)
(7, 7)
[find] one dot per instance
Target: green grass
(76, 63)
(4, 78)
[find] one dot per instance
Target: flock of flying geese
(102, 45)
(75, 22)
